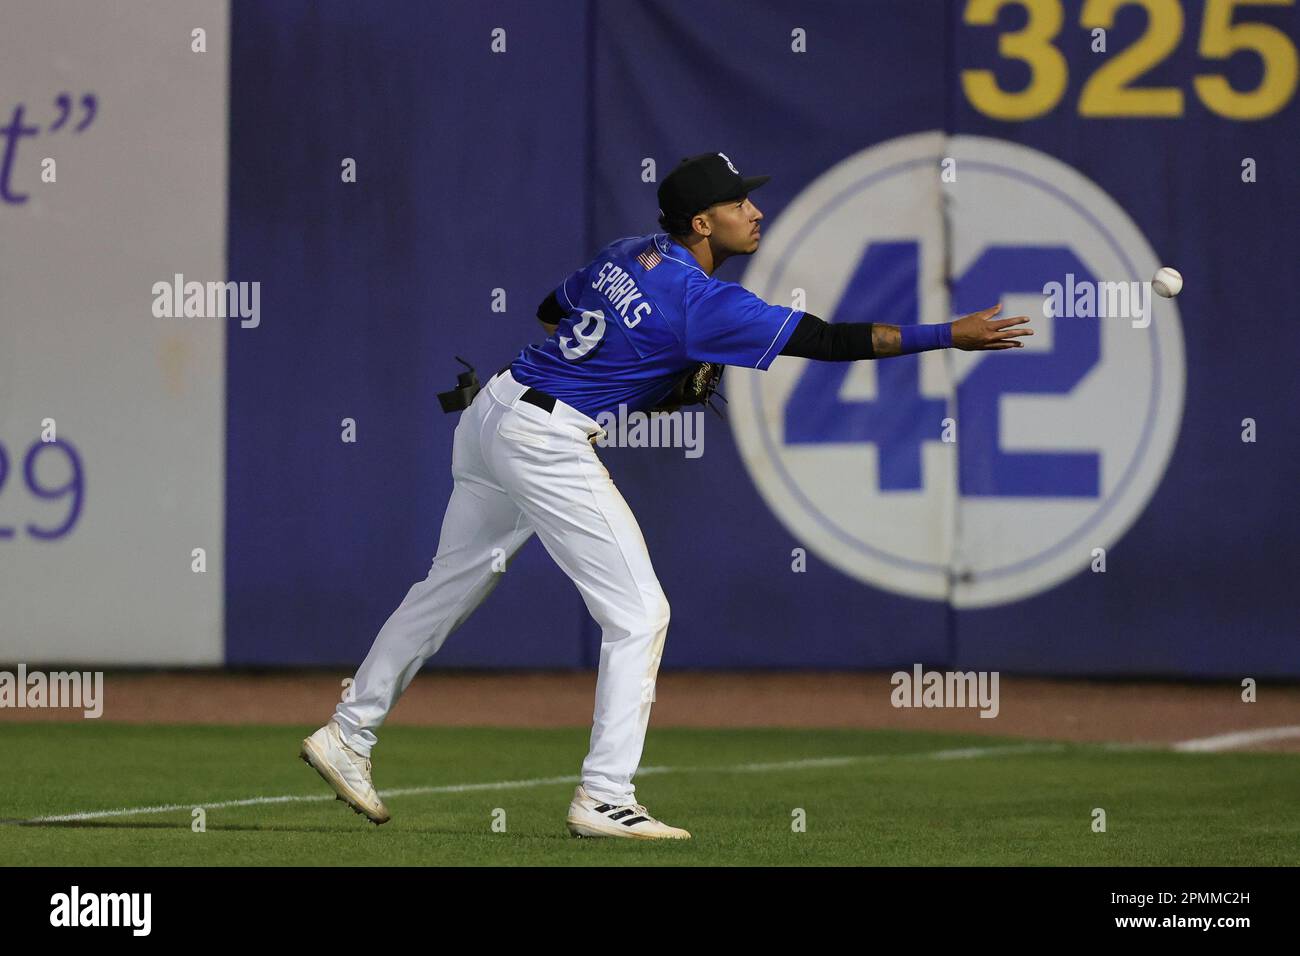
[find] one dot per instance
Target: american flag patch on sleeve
(649, 258)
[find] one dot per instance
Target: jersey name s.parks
(620, 290)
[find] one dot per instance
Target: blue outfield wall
(479, 170)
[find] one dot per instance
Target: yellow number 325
(1110, 92)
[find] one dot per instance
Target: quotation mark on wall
(16, 130)
(64, 102)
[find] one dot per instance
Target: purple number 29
(73, 487)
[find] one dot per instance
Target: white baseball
(1167, 282)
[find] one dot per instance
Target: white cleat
(345, 770)
(589, 817)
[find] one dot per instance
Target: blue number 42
(899, 419)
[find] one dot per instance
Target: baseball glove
(696, 387)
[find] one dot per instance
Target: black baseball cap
(700, 181)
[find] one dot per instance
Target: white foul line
(1241, 738)
(1204, 744)
(963, 753)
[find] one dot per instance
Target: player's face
(735, 226)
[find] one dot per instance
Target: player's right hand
(979, 331)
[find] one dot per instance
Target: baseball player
(629, 328)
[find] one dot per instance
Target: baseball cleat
(589, 817)
(345, 770)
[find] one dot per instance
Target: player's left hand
(696, 387)
(979, 331)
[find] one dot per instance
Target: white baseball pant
(519, 469)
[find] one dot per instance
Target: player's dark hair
(674, 226)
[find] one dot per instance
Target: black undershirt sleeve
(550, 311)
(830, 341)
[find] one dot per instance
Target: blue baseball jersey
(641, 314)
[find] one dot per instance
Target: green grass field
(890, 801)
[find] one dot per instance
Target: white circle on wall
(977, 478)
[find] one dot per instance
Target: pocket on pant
(516, 436)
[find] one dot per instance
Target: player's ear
(700, 222)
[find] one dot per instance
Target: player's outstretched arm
(976, 332)
(853, 341)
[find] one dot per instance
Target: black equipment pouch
(467, 387)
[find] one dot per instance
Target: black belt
(540, 399)
(535, 397)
